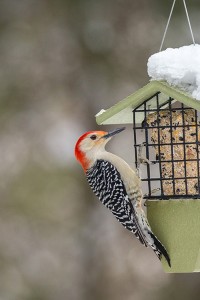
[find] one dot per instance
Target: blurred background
(60, 63)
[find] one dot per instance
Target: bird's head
(90, 144)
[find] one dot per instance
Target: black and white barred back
(106, 183)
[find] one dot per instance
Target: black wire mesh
(166, 143)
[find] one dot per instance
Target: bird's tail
(143, 232)
(159, 249)
(150, 239)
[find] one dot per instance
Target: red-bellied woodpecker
(117, 186)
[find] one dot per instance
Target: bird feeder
(166, 132)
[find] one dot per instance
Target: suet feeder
(166, 132)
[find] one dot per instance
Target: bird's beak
(113, 132)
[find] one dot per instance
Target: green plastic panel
(176, 223)
(117, 113)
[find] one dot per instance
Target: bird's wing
(106, 183)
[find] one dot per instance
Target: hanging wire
(166, 28)
(169, 19)
(188, 19)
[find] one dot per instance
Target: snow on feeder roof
(179, 67)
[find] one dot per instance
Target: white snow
(100, 112)
(180, 67)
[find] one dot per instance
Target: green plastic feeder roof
(121, 113)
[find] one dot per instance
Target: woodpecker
(117, 186)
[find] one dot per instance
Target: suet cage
(171, 136)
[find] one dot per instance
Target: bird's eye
(93, 137)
